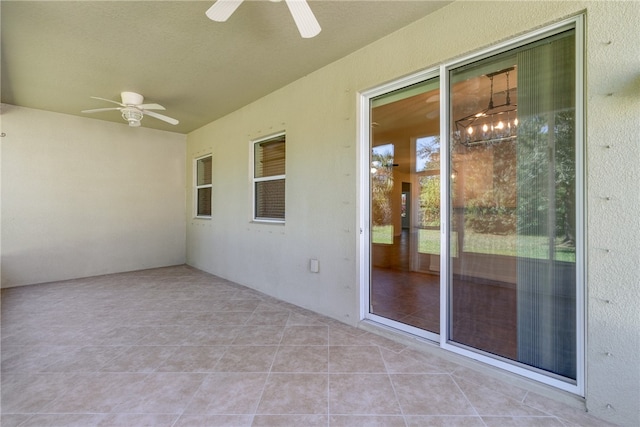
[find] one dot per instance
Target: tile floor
(179, 347)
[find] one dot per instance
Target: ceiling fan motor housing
(131, 98)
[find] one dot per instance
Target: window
(203, 186)
(269, 179)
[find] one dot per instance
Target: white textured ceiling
(56, 54)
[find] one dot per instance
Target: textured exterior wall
(82, 197)
(319, 114)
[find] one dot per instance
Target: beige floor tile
(214, 421)
(269, 318)
(32, 358)
(259, 335)
(489, 402)
(139, 359)
(338, 336)
(164, 335)
(301, 359)
(228, 393)
(569, 415)
(471, 375)
(431, 361)
(139, 348)
(84, 359)
(367, 421)
(118, 335)
(305, 335)
(13, 420)
(96, 393)
(305, 318)
(63, 420)
(193, 359)
(211, 335)
(245, 304)
(161, 393)
(359, 394)
(231, 318)
(430, 394)
(247, 359)
(137, 420)
(522, 422)
(356, 359)
(443, 421)
(405, 363)
(290, 420)
(294, 394)
(30, 393)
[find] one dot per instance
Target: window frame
(197, 187)
(255, 180)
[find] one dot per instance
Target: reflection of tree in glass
(546, 176)
(429, 215)
(381, 187)
(428, 159)
(428, 154)
(490, 187)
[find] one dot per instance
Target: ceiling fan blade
(161, 117)
(304, 18)
(222, 9)
(97, 110)
(108, 100)
(151, 107)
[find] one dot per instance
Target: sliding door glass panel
(405, 206)
(512, 285)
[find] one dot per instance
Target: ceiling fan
(133, 109)
(300, 10)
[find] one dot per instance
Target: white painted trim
(196, 187)
(581, 207)
(445, 211)
(364, 168)
(253, 179)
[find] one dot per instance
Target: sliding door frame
(365, 198)
(577, 387)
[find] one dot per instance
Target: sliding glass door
(404, 185)
(475, 206)
(512, 282)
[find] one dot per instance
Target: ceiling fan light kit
(132, 115)
(302, 15)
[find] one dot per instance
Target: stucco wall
(319, 114)
(83, 197)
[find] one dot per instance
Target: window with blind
(203, 184)
(269, 179)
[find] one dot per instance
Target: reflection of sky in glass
(381, 150)
(425, 148)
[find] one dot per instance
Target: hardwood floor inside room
(484, 312)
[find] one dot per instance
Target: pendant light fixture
(496, 123)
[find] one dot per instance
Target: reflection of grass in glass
(508, 245)
(382, 234)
